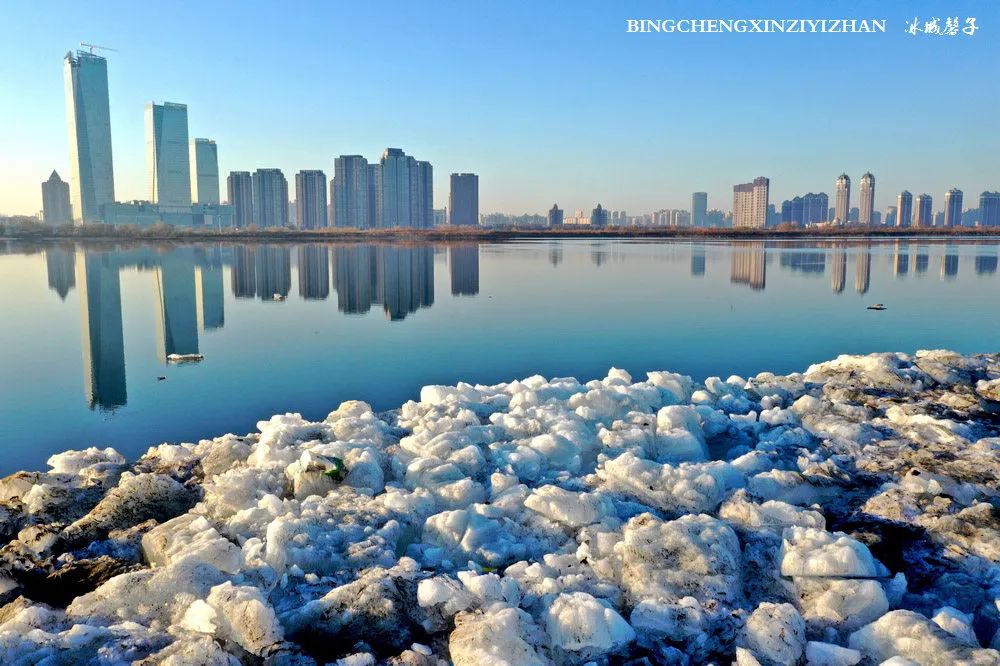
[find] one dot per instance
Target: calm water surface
(85, 330)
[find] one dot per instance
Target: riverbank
(344, 235)
(851, 512)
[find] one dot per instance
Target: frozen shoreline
(854, 518)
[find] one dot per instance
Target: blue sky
(547, 101)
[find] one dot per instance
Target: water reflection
(749, 265)
(187, 284)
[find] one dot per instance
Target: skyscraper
(953, 208)
(375, 196)
(270, 198)
(599, 217)
(699, 209)
(867, 212)
(421, 195)
(904, 209)
(395, 204)
(351, 205)
(889, 219)
(989, 209)
(88, 117)
(843, 202)
(750, 203)
(56, 208)
(204, 171)
(168, 159)
(310, 199)
(239, 185)
(463, 200)
(923, 213)
(555, 216)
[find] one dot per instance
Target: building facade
(56, 208)
(351, 192)
(88, 119)
(168, 159)
(422, 194)
(204, 171)
(750, 203)
(310, 199)
(239, 186)
(866, 214)
(989, 209)
(463, 200)
(904, 209)
(953, 208)
(395, 204)
(599, 217)
(699, 209)
(555, 216)
(842, 207)
(923, 212)
(270, 198)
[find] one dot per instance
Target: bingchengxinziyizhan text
(949, 26)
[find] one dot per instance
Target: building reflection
(863, 270)
(838, 269)
(314, 272)
(900, 260)
(949, 262)
(243, 277)
(749, 265)
(209, 289)
(177, 314)
(463, 267)
(921, 260)
(400, 279)
(273, 266)
(986, 264)
(60, 268)
(804, 261)
(555, 256)
(698, 259)
(102, 339)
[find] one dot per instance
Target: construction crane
(95, 46)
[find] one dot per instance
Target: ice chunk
(775, 633)
(577, 622)
(828, 654)
(190, 537)
(504, 637)
(956, 623)
(569, 508)
(912, 636)
(842, 603)
(811, 552)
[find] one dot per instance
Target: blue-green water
(85, 329)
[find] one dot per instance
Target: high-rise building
(440, 217)
(310, 199)
(806, 209)
(904, 209)
(463, 200)
(375, 196)
(239, 186)
(421, 195)
(867, 211)
(88, 117)
(989, 209)
(889, 219)
(953, 208)
(923, 212)
(599, 217)
(843, 202)
(351, 192)
(168, 159)
(395, 205)
(204, 171)
(555, 216)
(699, 209)
(56, 208)
(270, 198)
(750, 203)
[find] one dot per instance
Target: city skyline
(571, 165)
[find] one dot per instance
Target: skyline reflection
(189, 282)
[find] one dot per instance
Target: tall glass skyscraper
(88, 118)
(168, 164)
(270, 198)
(699, 209)
(867, 210)
(310, 199)
(463, 200)
(204, 171)
(953, 208)
(395, 188)
(843, 205)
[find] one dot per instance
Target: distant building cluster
(397, 191)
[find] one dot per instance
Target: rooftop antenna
(95, 46)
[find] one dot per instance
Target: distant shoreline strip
(756, 25)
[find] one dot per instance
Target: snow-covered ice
(852, 516)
